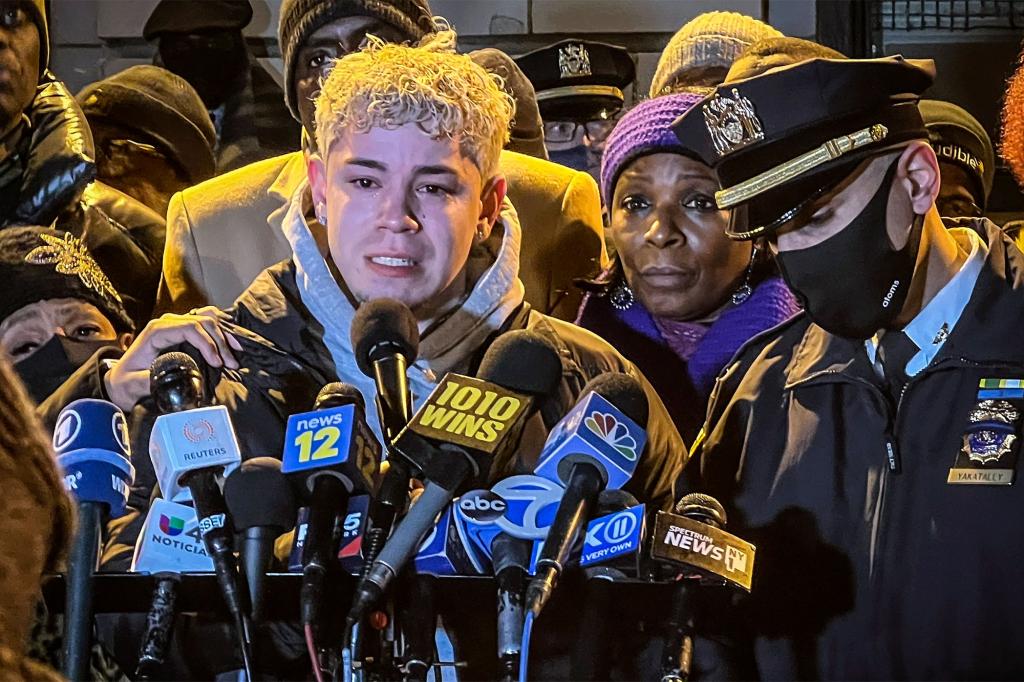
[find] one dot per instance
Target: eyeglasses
(566, 131)
(958, 207)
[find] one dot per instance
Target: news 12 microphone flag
(91, 444)
(331, 437)
(190, 440)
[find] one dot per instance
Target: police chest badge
(990, 443)
(732, 122)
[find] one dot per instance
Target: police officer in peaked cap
(869, 447)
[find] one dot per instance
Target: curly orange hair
(1011, 143)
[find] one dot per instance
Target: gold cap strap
(580, 90)
(773, 177)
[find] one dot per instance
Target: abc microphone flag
(182, 442)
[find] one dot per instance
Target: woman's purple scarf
(771, 303)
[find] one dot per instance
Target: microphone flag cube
(170, 541)
(447, 551)
(91, 444)
(594, 430)
(334, 438)
(194, 439)
(707, 550)
(474, 414)
(353, 529)
(608, 537)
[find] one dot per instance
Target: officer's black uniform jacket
(863, 572)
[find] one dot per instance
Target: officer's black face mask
(855, 283)
(50, 366)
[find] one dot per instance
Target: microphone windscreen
(176, 362)
(338, 393)
(175, 382)
(703, 507)
(611, 501)
(383, 325)
(258, 494)
(522, 361)
(622, 391)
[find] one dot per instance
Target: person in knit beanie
(527, 127)
(680, 297)
(58, 309)
(314, 33)
(701, 52)
(153, 134)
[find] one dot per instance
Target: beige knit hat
(712, 39)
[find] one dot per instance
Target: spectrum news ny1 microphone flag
(193, 439)
(709, 551)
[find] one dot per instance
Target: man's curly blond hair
(446, 94)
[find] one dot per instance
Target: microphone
(692, 539)
(263, 507)
(385, 341)
(194, 447)
(596, 446)
(463, 425)
(329, 454)
(447, 549)
(616, 523)
(91, 443)
(169, 544)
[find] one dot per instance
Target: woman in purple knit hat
(680, 297)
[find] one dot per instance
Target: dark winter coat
(865, 570)
(49, 179)
(285, 363)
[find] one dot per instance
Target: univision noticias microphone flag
(170, 541)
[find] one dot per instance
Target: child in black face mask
(57, 307)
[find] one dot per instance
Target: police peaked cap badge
(784, 137)
(578, 79)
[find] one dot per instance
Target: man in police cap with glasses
(869, 447)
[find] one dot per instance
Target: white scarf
(448, 347)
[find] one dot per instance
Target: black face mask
(855, 283)
(50, 366)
